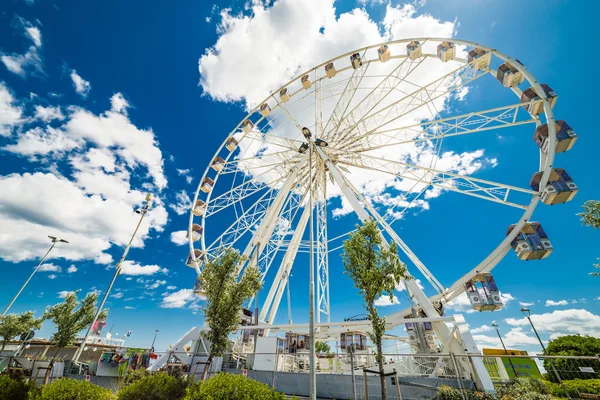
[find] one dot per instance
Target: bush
(156, 387)
(525, 389)
(575, 387)
(71, 389)
(450, 393)
(136, 375)
(13, 389)
(232, 387)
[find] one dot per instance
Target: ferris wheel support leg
(440, 328)
(285, 268)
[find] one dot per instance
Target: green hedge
(450, 393)
(71, 389)
(13, 389)
(232, 387)
(575, 386)
(156, 387)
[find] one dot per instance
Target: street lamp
(142, 211)
(153, 340)
(54, 240)
(527, 314)
(495, 325)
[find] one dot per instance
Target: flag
(128, 334)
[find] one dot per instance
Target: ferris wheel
(363, 136)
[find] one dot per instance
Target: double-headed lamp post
(142, 212)
(495, 325)
(54, 241)
(527, 314)
(153, 340)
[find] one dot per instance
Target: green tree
(591, 217)
(375, 270)
(71, 389)
(13, 325)
(70, 317)
(322, 347)
(572, 345)
(225, 295)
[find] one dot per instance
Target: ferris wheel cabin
(207, 185)
(247, 126)
(508, 75)
(530, 95)
(305, 81)
(559, 189)
(446, 51)
(330, 70)
(565, 137)
(217, 164)
(413, 50)
(199, 208)
(384, 54)
(355, 60)
(265, 110)
(284, 95)
(231, 144)
(199, 256)
(480, 58)
(197, 232)
(531, 243)
(483, 293)
(428, 335)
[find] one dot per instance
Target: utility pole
(54, 241)
(142, 211)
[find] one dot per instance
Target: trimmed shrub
(525, 389)
(13, 388)
(450, 393)
(71, 389)
(156, 387)
(575, 387)
(136, 376)
(232, 387)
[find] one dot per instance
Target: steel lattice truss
(368, 113)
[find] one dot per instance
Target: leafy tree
(322, 347)
(375, 270)
(572, 345)
(591, 217)
(70, 317)
(225, 295)
(13, 325)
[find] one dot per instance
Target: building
(500, 369)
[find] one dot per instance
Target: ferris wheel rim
(489, 262)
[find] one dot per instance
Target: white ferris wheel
(366, 118)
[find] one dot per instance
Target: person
(293, 347)
(301, 344)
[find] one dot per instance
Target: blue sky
(101, 101)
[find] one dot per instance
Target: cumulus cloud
(134, 268)
(179, 238)
(64, 293)
(40, 141)
(571, 321)
(82, 87)
(552, 303)
(49, 268)
(72, 269)
(514, 337)
(179, 299)
(49, 113)
(385, 301)
(10, 112)
(481, 329)
(30, 61)
(185, 173)
(182, 203)
(119, 104)
(525, 304)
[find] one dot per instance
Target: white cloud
(49, 268)
(179, 299)
(39, 141)
(525, 304)
(117, 295)
(48, 114)
(182, 203)
(129, 308)
(179, 238)
(82, 86)
(134, 268)
(185, 173)
(52, 276)
(514, 337)
(72, 269)
(10, 112)
(64, 293)
(171, 287)
(481, 329)
(30, 61)
(118, 104)
(571, 321)
(155, 284)
(384, 301)
(552, 303)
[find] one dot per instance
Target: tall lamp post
(54, 241)
(495, 325)
(142, 211)
(527, 314)
(153, 340)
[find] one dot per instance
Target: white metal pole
(30, 276)
(289, 301)
(143, 212)
(311, 296)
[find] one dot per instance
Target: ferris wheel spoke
(389, 84)
(473, 122)
(435, 90)
(484, 189)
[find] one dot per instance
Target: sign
(587, 369)
(87, 378)
(245, 372)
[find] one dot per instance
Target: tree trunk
(381, 372)
(207, 366)
(3, 345)
(49, 370)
